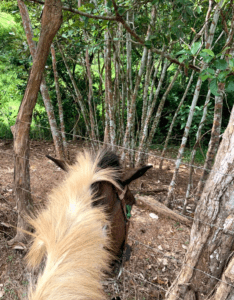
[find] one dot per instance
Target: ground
(158, 243)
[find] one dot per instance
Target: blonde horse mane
(69, 233)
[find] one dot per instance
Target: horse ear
(129, 176)
(60, 163)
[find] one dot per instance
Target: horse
(77, 231)
(114, 200)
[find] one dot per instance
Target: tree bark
(60, 106)
(50, 24)
(43, 87)
(212, 237)
(208, 44)
(109, 92)
(198, 137)
(131, 114)
(174, 119)
(77, 91)
(90, 95)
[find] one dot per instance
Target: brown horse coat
(109, 196)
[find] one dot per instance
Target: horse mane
(69, 233)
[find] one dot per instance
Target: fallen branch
(150, 192)
(159, 208)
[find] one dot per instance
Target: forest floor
(158, 243)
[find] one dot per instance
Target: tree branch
(76, 11)
(120, 19)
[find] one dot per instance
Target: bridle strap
(127, 222)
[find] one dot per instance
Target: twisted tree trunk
(50, 24)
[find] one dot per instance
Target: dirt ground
(158, 244)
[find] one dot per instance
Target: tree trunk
(60, 106)
(183, 143)
(212, 238)
(216, 128)
(159, 112)
(50, 23)
(174, 119)
(213, 144)
(109, 92)
(198, 137)
(146, 140)
(208, 44)
(131, 114)
(90, 95)
(77, 91)
(43, 87)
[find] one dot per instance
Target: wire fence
(140, 276)
(171, 257)
(148, 154)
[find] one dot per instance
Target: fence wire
(136, 151)
(136, 241)
(154, 250)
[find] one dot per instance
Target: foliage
(176, 26)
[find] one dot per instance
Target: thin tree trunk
(60, 106)
(216, 128)
(150, 110)
(90, 95)
(43, 88)
(146, 86)
(109, 93)
(174, 119)
(184, 140)
(131, 114)
(198, 137)
(77, 92)
(50, 23)
(160, 109)
(146, 142)
(208, 44)
(213, 144)
(129, 67)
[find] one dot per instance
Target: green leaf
(81, 8)
(230, 85)
(121, 10)
(207, 58)
(195, 47)
(198, 9)
(182, 52)
(148, 44)
(210, 71)
(109, 3)
(214, 87)
(208, 51)
(231, 63)
(204, 77)
(220, 64)
(222, 75)
(182, 58)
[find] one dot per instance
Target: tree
(50, 23)
(211, 239)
